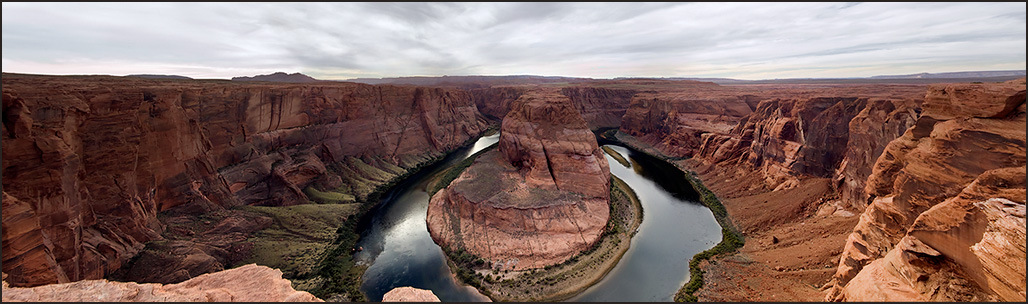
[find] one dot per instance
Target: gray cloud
(344, 40)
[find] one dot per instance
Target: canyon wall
(248, 283)
(538, 200)
(674, 121)
(946, 221)
(785, 134)
(89, 161)
(600, 107)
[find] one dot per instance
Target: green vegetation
(731, 240)
(297, 236)
(338, 271)
(453, 172)
(617, 156)
(330, 197)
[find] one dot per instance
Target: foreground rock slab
(409, 294)
(248, 283)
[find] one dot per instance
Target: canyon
(855, 192)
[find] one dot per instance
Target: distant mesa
(278, 77)
(972, 74)
(156, 76)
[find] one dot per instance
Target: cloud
(344, 40)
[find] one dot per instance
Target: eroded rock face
(88, 162)
(248, 283)
(600, 107)
(675, 122)
(787, 139)
(938, 185)
(538, 200)
(547, 137)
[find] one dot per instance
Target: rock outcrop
(248, 283)
(89, 161)
(674, 121)
(540, 199)
(947, 204)
(409, 294)
(600, 107)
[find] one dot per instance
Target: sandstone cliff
(538, 200)
(89, 161)
(674, 121)
(947, 212)
(249, 283)
(600, 107)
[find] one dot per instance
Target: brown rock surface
(409, 294)
(248, 283)
(539, 200)
(967, 147)
(93, 159)
(673, 121)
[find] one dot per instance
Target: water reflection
(397, 244)
(400, 251)
(673, 230)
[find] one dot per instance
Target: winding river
(675, 227)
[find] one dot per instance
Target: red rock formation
(948, 180)
(248, 283)
(600, 107)
(90, 161)
(539, 200)
(546, 137)
(675, 121)
(495, 101)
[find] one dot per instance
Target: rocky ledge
(248, 283)
(946, 219)
(540, 199)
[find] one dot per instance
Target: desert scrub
(453, 172)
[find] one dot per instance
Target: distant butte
(278, 77)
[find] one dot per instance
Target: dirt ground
(793, 238)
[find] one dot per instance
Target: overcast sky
(599, 40)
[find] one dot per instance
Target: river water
(675, 227)
(397, 244)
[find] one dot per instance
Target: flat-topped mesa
(539, 200)
(546, 137)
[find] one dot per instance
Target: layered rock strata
(89, 161)
(248, 283)
(600, 107)
(538, 200)
(674, 122)
(947, 204)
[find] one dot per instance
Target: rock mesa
(540, 199)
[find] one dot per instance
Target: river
(675, 227)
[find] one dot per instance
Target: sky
(578, 39)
